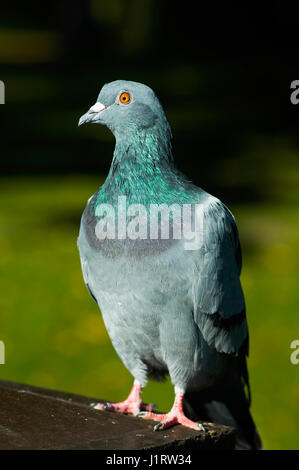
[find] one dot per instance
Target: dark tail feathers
(227, 403)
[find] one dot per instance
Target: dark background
(222, 71)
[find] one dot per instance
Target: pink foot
(133, 404)
(175, 416)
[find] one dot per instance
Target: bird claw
(170, 419)
(100, 406)
(132, 404)
(201, 427)
(106, 405)
(158, 426)
(169, 422)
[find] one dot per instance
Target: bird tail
(227, 403)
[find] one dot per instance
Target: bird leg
(133, 404)
(175, 416)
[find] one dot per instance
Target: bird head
(127, 107)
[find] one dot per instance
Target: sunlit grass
(53, 333)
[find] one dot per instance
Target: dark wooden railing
(37, 418)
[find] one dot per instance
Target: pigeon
(162, 259)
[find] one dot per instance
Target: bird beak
(92, 114)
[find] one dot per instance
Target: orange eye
(125, 97)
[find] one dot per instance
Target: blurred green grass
(54, 335)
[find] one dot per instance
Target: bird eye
(125, 98)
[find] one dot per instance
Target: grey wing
(81, 242)
(219, 306)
